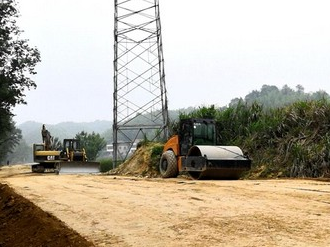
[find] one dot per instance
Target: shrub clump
(106, 164)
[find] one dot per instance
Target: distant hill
(32, 130)
(270, 96)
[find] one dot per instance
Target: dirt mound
(24, 224)
(143, 163)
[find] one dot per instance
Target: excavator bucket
(216, 162)
(77, 167)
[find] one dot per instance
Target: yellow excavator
(71, 158)
(194, 150)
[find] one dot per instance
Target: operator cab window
(39, 147)
(204, 133)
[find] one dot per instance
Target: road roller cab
(194, 150)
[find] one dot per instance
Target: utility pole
(139, 98)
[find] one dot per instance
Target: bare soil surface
(24, 224)
(130, 211)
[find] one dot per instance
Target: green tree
(300, 89)
(17, 63)
(21, 154)
(10, 136)
(56, 144)
(271, 97)
(201, 112)
(93, 143)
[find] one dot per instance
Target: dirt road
(127, 211)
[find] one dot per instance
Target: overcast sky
(214, 50)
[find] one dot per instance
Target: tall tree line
(17, 65)
(289, 141)
(270, 96)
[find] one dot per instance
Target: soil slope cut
(24, 224)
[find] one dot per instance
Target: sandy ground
(128, 211)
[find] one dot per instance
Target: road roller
(194, 150)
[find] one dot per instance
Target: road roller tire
(168, 165)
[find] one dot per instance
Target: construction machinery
(71, 158)
(44, 159)
(194, 150)
(74, 159)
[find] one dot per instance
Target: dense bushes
(290, 141)
(106, 165)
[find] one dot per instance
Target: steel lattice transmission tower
(140, 101)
